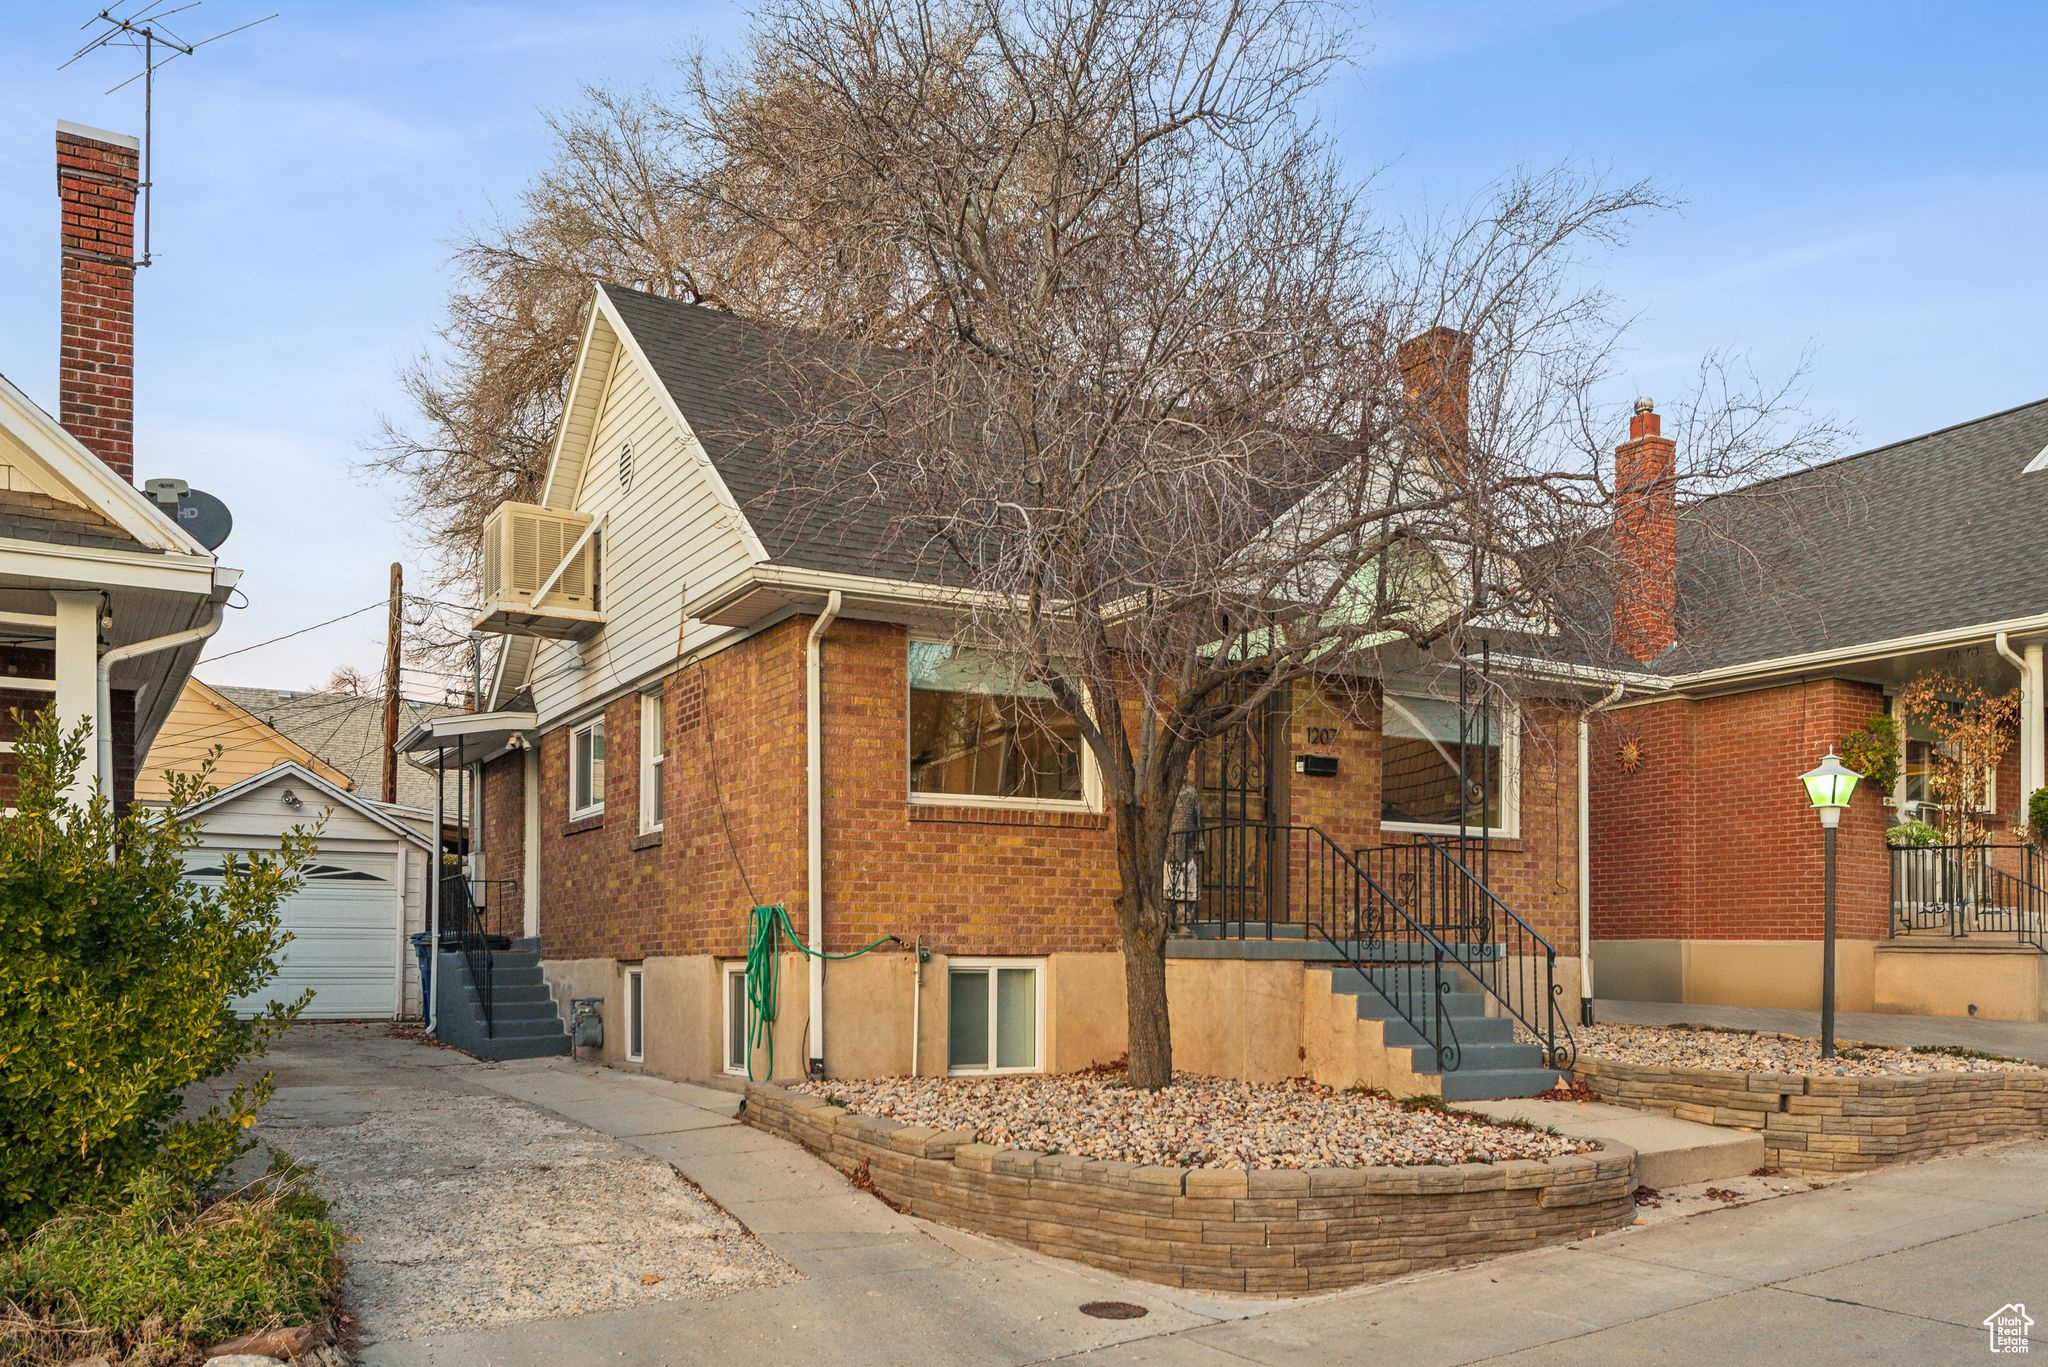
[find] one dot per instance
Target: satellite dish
(203, 517)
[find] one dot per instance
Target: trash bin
(419, 949)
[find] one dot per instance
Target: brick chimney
(96, 186)
(1646, 537)
(1436, 379)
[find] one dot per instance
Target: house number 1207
(1322, 735)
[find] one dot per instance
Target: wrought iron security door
(1243, 866)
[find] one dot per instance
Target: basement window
(980, 735)
(586, 769)
(636, 1015)
(1420, 744)
(737, 1020)
(995, 1016)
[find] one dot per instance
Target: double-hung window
(995, 1016)
(586, 769)
(978, 733)
(1423, 749)
(653, 757)
(1916, 773)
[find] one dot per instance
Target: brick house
(1772, 623)
(703, 705)
(106, 600)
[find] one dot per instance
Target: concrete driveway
(1897, 1266)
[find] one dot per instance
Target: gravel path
(1735, 1051)
(1198, 1122)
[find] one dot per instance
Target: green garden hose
(766, 926)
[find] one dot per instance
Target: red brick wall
(1535, 873)
(501, 838)
(1710, 836)
(96, 184)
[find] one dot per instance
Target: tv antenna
(143, 29)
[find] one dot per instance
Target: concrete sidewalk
(1896, 1266)
(2014, 1039)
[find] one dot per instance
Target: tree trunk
(1141, 916)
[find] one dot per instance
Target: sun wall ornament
(1630, 753)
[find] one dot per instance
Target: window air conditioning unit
(525, 546)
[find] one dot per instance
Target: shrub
(1913, 835)
(154, 1274)
(116, 988)
(1873, 751)
(2037, 816)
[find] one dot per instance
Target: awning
(468, 738)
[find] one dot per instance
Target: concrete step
(1468, 1084)
(543, 1009)
(1669, 1152)
(521, 1046)
(1470, 1030)
(525, 1028)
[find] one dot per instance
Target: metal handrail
(1959, 891)
(1523, 966)
(1339, 903)
(464, 919)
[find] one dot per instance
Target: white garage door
(344, 946)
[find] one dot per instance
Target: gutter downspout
(1612, 697)
(814, 821)
(216, 614)
(2031, 749)
(428, 999)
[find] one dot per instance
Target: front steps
(1669, 1152)
(524, 1020)
(1491, 1062)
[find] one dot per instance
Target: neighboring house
(1819, 597)
(360, 896)
(652, 770)
(340, 736)
(105, 601)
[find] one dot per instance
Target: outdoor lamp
(1829, 786)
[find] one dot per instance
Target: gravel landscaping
(1198, 1122)
(1734, 1051)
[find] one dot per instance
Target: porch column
(78, 689)
(2033, 727)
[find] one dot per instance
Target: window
(653, 754)
(586, 769)
(995, 1016)
(738, 1020)
(979, 734)
(636, 1015)
(1419, 745)
(1916, 773)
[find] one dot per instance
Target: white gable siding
(23, 473)
(663, 535)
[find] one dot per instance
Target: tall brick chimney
(1646, 537)
(1436, 379)
(96, 186)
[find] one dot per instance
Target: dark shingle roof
(28, 516)
(1940, 532)
(718, 368)
(347, 731)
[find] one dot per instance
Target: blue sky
(1866, 180)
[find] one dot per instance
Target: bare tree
(1085, 311)
(1972, 728)
(347, 679)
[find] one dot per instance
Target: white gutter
(1586, 852)
(814, 800)
(216, 613)
(2031, 720)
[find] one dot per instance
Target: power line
(244, 650)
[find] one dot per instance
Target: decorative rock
(284, 1343)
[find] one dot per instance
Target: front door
(1243, 854)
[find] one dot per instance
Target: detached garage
(365, 890)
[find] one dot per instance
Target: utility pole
(393, 623)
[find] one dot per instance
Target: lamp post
(1829, 785)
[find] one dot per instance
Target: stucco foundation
(1779, 973)
(2000, 983)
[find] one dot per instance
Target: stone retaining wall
(1211, 1229)
(1835, 1124)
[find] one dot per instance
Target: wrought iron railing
(1433, 877)
(465, 921)
(1254, 880)
(1962, 891)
